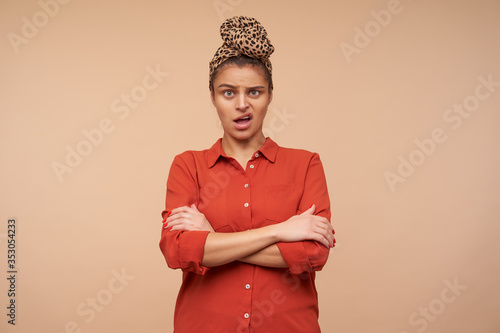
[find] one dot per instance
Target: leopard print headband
(243, 35)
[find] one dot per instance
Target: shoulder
(296, 154)
(199, 158)
(191, 156)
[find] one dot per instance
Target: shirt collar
(269, 150)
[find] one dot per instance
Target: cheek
(262, 109)
(224, 113)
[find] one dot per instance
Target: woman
(247, 221)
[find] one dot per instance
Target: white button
(247, 286)
(246, 185)
(256, 154)
(251, 166)
(247, 315)
(246, 204)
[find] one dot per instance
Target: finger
(179, 227)
(319, 235)
(320, 219)
(328, 225)
(322, 231)
(180, 215)
(193, 206)
(310, 210)
(182, 227)
(165, 216)
(331, 241)
(190, 210)
(331, 238)
(179, 210)
(327, 235)
(324, 224)
(176, 222)
(321, 239)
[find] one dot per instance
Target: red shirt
(276, 184)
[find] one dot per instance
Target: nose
(242, 103)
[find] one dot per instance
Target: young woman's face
(241, 96)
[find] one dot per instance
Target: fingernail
(311, 206)
(169, 213)
(164, 220)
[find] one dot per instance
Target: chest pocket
(281, 201)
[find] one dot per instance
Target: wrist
(274, 233)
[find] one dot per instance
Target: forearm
(252, 245)
(223, 248)
(268, 257)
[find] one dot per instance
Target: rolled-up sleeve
(307, 256)
(183, 249)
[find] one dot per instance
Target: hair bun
(246, 35)
(243, 35)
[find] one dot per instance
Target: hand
(187, 219)
(307, 226)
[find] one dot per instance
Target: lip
(248, 114)
(245, 125)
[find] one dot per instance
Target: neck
(242, 148)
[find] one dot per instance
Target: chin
(241, 135)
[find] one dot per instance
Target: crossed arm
(256, 246)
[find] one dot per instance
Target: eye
(228, 93)
(254, 93)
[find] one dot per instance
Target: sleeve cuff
(191, 250)
(295, 256)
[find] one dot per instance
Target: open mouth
(243, 119)
(243, 122)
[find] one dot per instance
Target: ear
(212, 97)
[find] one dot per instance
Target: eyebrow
(234, 87)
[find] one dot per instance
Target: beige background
(399, 247)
